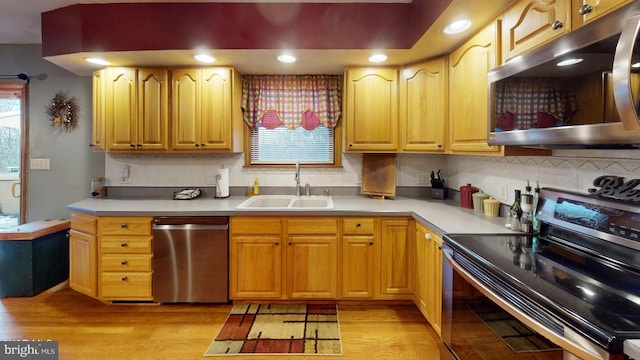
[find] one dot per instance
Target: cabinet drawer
(84, 223)
(255, 225)
(126, 285)
(126, 263)
(125, 226)
(123, 245)
(358, 226)
(312, 226)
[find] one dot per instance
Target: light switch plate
(40, 164)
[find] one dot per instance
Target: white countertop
(442, 216)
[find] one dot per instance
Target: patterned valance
(292, 100)
(523, 103)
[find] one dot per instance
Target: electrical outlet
(357, 179)
(503, 192)
(422, 178)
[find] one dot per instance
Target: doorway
(13, 140)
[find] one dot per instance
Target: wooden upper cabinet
(423, 107)
(206, 109)
(136, 109)
(468, 93)
(585, 11)
(98, 120)
(371, 109)
(529, 23)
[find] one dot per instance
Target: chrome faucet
(297, 178)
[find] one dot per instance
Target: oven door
(483, 318)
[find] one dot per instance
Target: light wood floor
(88, 329)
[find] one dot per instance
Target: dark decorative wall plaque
(616, 188)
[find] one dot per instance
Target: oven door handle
(576, 345)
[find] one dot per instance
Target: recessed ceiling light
(377, 58)
(569, 62)
(205, 58)
(287, 58)
(97, 61)
(457, 27)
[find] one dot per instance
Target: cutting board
(378, 175)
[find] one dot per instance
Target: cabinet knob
(290, 242)
(124, 278)
(277, 242)
(358, 225)
(427, 236)
(439, 247)
(132, 145)
(202, 144)
(350, 145)
(197, 145)
(585, 9)
(124, 244)
(370, 242)
(557, 25)
(123, 226)
(439, 145)
(139, 145)
(124, 262)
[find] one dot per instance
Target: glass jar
(98, 189)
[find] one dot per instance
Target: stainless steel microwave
(579, 91)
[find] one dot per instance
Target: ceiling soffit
(181, 26)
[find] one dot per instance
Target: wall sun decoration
(63, 112)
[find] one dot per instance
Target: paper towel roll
(222, 183)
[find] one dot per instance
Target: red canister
(466, 195)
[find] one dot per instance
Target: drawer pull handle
(124, 244)
(124, 226)
(124, 278)
(124, 262)
(585, 9)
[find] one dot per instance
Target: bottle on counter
(534, 208)
(515, 212)
(98, 189)
(526, 219)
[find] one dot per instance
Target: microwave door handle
(621, 74)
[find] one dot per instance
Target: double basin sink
(286, 202)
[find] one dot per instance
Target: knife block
(438, 193)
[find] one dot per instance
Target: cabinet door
(423, 101)
(585, 11)
(98, 119)
(434, 281)
(371, 109)
(255, 264)
(312, 267)
(185, 101)
(358, 266)
(153, 107)
(396, 264)
(83, 270)
(216, 118)
(529, 23)
(468, 93)
(120, 108)
(421, 290)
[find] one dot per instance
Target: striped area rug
(279, 329)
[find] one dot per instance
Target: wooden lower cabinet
(312, 267)
(83, 254)
(125, 259)
(396, 272)
(428, 291)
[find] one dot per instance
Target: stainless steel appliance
(190, 259)
(576, 283)
(592, 103)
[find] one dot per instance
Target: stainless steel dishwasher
(190, 259)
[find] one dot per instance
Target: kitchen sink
(286, 202)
